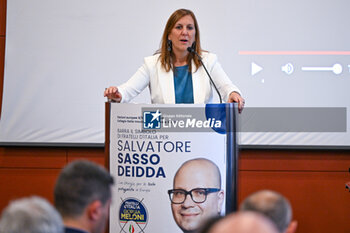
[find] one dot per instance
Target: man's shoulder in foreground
(73, 230)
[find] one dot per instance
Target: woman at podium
(180, 71)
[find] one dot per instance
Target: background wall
(313, 180)
(54, 51)
(2, 43)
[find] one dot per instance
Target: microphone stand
(191, 50)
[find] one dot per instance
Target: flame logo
(131, 228)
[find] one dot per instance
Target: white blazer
(161, 83)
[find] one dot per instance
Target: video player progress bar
(294, 52)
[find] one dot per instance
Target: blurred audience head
(206, 227)
(30, 215)
(83, 195)
(244, 222)
(274, 206)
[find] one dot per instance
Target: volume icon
(287, 68)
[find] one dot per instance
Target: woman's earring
(170, 45)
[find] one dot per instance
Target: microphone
(192, 50)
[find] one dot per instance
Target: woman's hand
(113, 94)
(237, 98)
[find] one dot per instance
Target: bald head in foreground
(29, 215)
(244, 222)
(274, 206)
(196, 195)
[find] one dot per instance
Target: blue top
(183, 85)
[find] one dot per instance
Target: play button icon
(255, 68)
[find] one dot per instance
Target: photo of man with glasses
(196, 195)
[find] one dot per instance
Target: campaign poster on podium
(169, 165)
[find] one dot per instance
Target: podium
(147, 147)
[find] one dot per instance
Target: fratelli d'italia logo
(133, 216)
(151, 120)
